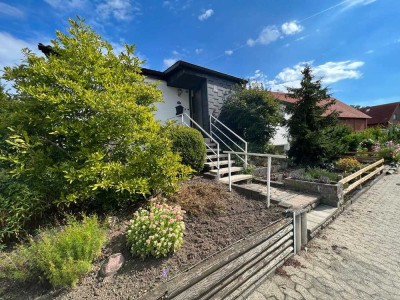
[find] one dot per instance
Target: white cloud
(330, 72)
(11, 54)
(121, 10)
(268, 35)
(291, 27)
(10, 10)
(204, 16)
(351, 3)
(228, 52)
(169, 62)
(370, 51)
(177, 5)
(69, 4)
(198, 50)
(10, 50)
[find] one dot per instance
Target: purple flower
(164, 272)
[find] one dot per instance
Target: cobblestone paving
(355, 257)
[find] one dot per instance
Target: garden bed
(215, 220)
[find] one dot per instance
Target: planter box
(331, 194)
(234, 271)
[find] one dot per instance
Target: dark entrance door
(196, 104)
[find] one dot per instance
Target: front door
(196, 107)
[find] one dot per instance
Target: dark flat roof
(183, 65)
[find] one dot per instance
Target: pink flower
(171, 221)
(151, 216)
(179, 218)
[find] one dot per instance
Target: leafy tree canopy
(81, 125)
(253, 113)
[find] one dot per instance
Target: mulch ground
(215, 219)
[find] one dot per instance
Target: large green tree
(311, 125)
(254, 114)
(80, 127)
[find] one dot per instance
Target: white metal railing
(270, 156)
(208, 135)
(213, 132)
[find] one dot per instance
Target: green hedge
(189, 143)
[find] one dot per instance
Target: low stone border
(339, 210)
(331, 194)
(232, 272)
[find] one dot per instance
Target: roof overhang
(186, 75)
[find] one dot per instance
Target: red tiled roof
(380, 114)
(345, 111)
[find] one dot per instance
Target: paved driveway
(355, 257)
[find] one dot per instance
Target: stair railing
(269, 166)
(208, 135)
(215, 125)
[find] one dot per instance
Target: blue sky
(353, 45)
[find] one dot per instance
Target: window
(395, 116)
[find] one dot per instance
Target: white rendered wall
(166, 110)
(281, 136)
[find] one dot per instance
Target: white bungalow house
(201, 92)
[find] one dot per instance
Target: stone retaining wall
(331, 194)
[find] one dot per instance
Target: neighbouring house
(199, 90)
(348, 115)
(383, 115)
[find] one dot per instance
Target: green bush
(315, 175)
(347, 164)
(254, 114)
(156, 231)
(81, 130)
(18, 206)
(189, 143)
(321, 175)
(60, 257)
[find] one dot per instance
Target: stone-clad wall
(218, 90)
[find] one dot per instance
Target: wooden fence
(233, 272)
(369, 170)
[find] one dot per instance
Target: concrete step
(215, 163)
(215, 156)
(212, 145)
(212, 150)
(236, 178)
(223, 171)
(318, 216)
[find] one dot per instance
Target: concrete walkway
(296, 199)
(355, 257)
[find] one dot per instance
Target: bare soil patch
(216, 218)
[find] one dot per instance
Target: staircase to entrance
(218, 139)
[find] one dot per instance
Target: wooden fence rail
(377, 166)
(232, 272)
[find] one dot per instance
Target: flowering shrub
(347, 164)
(389, 151)
(156, 231)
